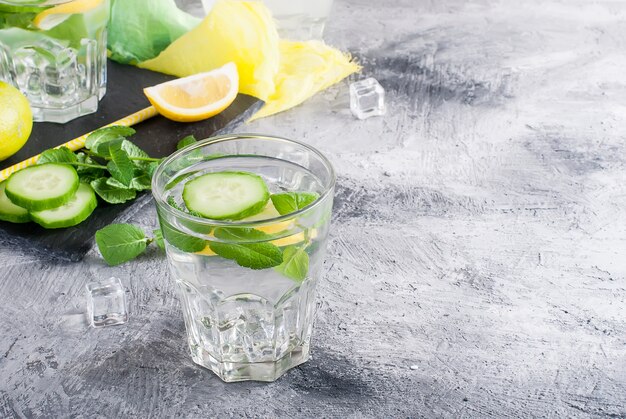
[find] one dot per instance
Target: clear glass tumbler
(54, 51)
(297, 20)
(246, 321)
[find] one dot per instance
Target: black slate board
(157, 136)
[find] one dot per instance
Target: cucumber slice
(42, 187)
(226, 195)
(74, 212)
(9, 211)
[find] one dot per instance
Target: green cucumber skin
(82, 216)
(44, 204)
(11, 215)
(15, 219)
(248, 212)
(253, 210)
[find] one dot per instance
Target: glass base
(63, 115)
(300, 28)
(231, 372)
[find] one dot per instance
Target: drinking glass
(54, 51)
(297, 20)
(247, 323)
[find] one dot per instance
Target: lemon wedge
(196, 97)
(242, 32)
(54, 16)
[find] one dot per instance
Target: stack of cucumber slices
(48, 194)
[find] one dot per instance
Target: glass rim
(35, 4)
(160, 201)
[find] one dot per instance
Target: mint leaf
(103, 135)
(286, 203)
(249, 255)
(187, 141)
(295, 263)
(119, 243)
(57, 155)
(158, 239)
(181, 241)
(142, 182)
(85, 159)
(120, 166)
(132, 150)
(89, 177)
(151, 167)
(135, 152)
(114, 183)
(112, 194)
(240, 234)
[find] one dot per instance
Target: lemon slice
(267, 213)
(282, 242)
(270, 212)
(196, 97)
(54, 16)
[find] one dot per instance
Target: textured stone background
(477, 263)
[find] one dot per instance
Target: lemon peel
(16, 120)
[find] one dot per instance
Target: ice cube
(367, 98)
(107, 302)
(60, 77)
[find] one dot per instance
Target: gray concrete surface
(477, 262)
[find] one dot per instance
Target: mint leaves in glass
(54, 51)
(247, 276)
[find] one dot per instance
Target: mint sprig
(115, 167)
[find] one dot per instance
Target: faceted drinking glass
(246, 322)
(54, 51)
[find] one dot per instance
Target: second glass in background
(55, 53)
(297, 20)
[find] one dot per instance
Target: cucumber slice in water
(74, 212)
(226, 195)
(42, 187)
(9, 211)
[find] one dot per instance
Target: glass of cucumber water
(55, 52)
(245, 220)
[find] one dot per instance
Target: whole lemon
(16, 120)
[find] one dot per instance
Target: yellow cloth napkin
(282, 73)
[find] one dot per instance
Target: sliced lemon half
(56, 15)
(196, 97)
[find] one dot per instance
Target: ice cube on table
(107, 302)
(367, 98)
